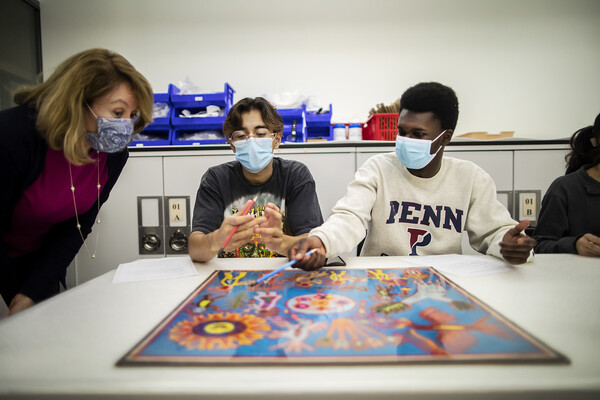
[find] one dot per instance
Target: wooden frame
(335, 316)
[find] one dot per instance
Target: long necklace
(92, 255)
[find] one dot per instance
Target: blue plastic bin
(178, 137)
(195, 123)
(196, 103)
(159, 129)
(192, 100)
(293, 119)
(161, 136)
(162, 122)
(318, 126)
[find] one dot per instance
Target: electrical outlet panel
(150, 225)
(528, 202)
(177, 228)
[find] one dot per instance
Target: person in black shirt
(286, 206)
(569, 220)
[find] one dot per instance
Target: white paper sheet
(464, 265)
(155, 268)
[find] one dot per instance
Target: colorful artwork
(335, 316)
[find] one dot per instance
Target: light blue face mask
(415, 153)
(113, 134)
(255, 153)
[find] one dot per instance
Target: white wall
(529, 66)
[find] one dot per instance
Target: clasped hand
(268, 227)
(245, 229)
(588, 245)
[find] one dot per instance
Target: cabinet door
(534, 172)
(332, 172)
(183, 173)
(182, 179)
(497, 163)
(537, 169)
(117, 232)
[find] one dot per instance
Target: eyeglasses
(243, 135)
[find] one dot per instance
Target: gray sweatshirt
(407, 215)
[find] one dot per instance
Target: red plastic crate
(381, 127)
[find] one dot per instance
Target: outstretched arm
(516, 246)
(312, 262)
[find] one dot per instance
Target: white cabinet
(182, 179)
(183, 173)
(536, 169)
(177, 172)
(498, 164)
(117, 233)
(331, 170)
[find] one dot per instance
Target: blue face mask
(415, 153)
(113, 134)
(255, 153)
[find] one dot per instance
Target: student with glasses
(286, 206)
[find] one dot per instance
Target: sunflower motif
(219, 331)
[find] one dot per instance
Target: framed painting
(335, 316)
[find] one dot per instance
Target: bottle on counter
(339, 132)
(355, 132)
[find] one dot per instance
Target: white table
(68, 345)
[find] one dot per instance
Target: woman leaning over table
(61, 151)
(569, 220)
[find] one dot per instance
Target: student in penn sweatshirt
(416, 201)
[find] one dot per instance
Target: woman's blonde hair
(61, 100)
